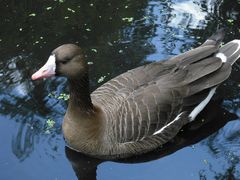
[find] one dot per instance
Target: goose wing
(118, 88)
(142, 101)
(135, 78)
(153, 106)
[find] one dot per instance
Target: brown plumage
(143, 108)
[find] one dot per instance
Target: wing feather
(144, 100)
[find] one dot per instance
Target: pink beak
(47, 70)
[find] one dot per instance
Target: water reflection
(117, 36)
(208, 122)
(192, 14)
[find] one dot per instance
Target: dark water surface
(117, 36)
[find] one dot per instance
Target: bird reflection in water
(210, 120)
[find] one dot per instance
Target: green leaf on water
(89, 63)
(62, 96)
(71, 10)
(50, 123)
(94, 50)
(88, 29)
(110, 44)
(101, 79)
(47, 132)
(32, 15)
(230, 21)
(61, 1)
(128, 19)
(48, 8)
(221, 44)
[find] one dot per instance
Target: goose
(143, 108)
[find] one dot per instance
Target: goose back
(147, 99)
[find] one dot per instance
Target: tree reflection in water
(117, 36)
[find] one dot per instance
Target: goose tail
(216, 38)
(229, 52)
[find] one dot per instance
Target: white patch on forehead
(51, 63)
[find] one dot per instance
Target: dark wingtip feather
(218, 36)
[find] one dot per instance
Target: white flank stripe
(202, 105)
(222, 57)
(164, 127)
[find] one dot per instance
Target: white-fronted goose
(143, 108)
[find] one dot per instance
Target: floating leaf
(94, 50)
(61, 1)
(110, 44)
(128, 19)
(230, 21)
(66, 17)
(71, 10)
(48, 8)
(88, 29)
(101, 79)
(32, 15)
(120, 51)
(89, 63)
(62, 96)
(50, 123)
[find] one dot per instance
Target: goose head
(66, 60)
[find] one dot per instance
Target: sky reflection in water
(117, 36)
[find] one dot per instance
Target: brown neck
(80, 98)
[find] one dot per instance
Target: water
(117, 36)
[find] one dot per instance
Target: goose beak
(47, 70)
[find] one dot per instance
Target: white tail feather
(229, 52)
